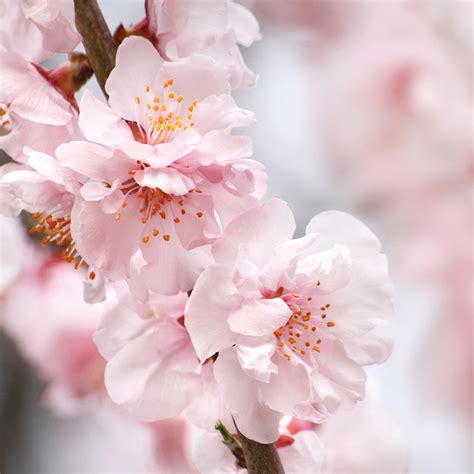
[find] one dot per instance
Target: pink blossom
(362, 440)
(53, 330)
(396, 108)
(33, 113)
(166, 184)
(290, 320)
(47, 190)
(36, 29)
(211, 28)
(152, 369)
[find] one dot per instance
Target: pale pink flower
(33, 113)
(396, 108)
(362, 440)
(211, 28)
(152, 369)
(53, 330)
(36, 29)
(166, 184)
(47, 190)
(290, 321)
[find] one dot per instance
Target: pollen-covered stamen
(5, 120)
(55, 225)
(158, 210)
(302, 332)
(163, 115)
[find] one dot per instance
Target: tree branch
(98, 42)
(260, 458)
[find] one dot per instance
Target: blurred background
(364, 107)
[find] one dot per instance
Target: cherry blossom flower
(399, 122)
(53, 330)
(290, 321)
(36, 29)
(47, 191)
(214, 29)
(362, 440)
(152, 369)
(33, 113)
(167, 183)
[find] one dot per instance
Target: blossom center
(305, 329)
(55, 225)
(163, 115)
(5, 121)
(158, 209)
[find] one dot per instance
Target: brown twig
(260, 458)
(97, 39)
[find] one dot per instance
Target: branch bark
(260, 458)
(98, 42)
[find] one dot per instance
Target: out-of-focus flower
(33, 113)
(53, 330)
(36, 29)
(166, 184)
(15, 251)
(361, 440)
(47, 190)
(290, 321)
(400, 122)
(152, 369)
(211, 28)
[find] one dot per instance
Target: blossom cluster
(200, 301)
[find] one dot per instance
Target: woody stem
(260, 458)
(97, 39)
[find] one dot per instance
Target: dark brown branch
(260, 458)
(98, 42)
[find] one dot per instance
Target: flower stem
(260, 458)
(97, 39)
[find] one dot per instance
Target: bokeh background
(364, 107)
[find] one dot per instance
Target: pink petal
(256, 359)
(153, 375)
(339, 227)
(196, 77)
(102, 240)
(241, 393)
(221, 113)
(259, 317)
(94, 161)
(244, 24)
(256, 233)
(100, 124)
(169, 180)
(136, 67)
(213, 298)
(287, 388)
(173, 268)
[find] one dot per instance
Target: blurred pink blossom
(211, 28)
(53, 330)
